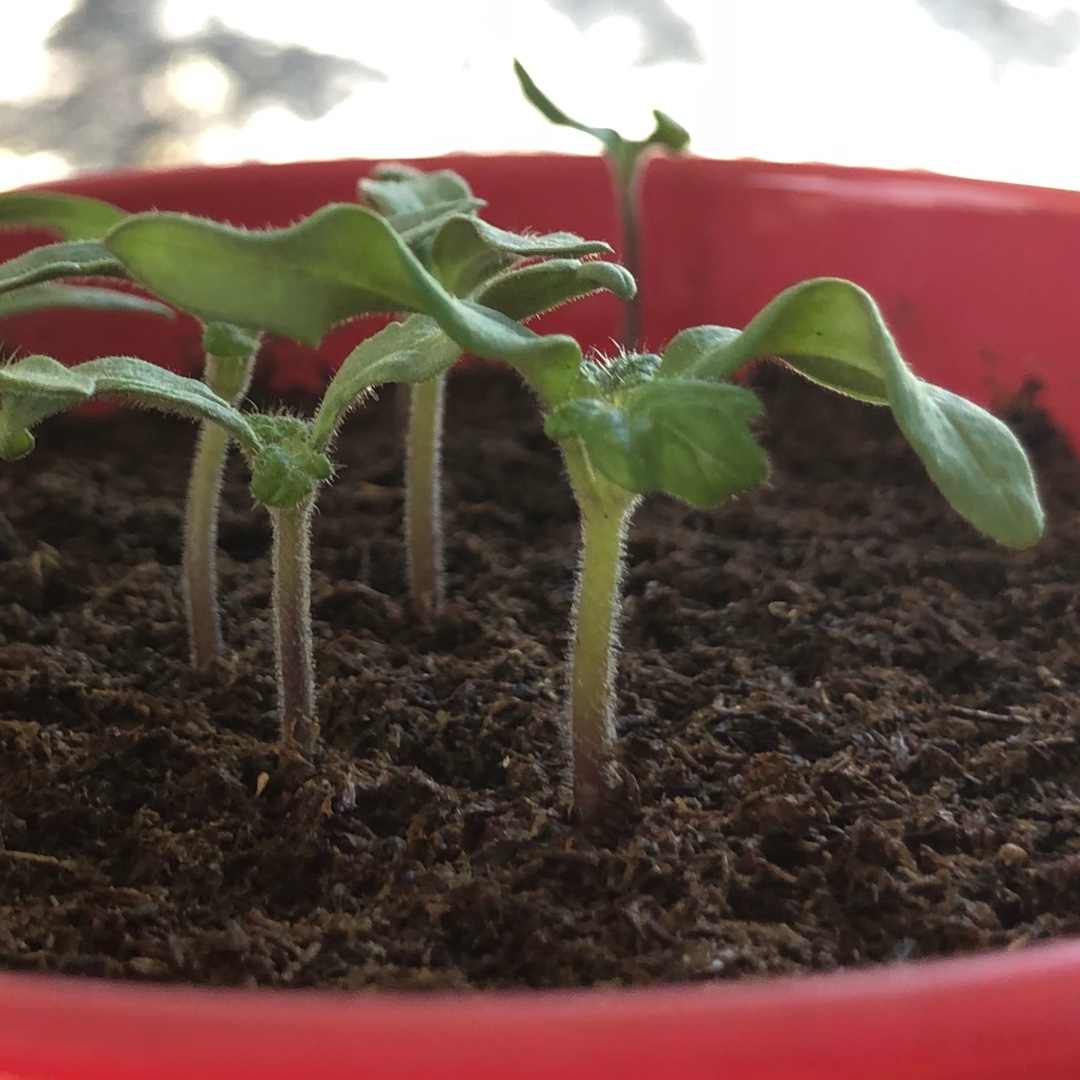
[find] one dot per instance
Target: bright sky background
(869, 82)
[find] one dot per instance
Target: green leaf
(74, 217)
(300, 281)
(624, 152)
(407, 352)
(701, 352)
(688, 438)
(69, 258)
(832, 332)
(418, 228)
(531, 290)
(417, 204)
(32, 298)
(467, 251)
(400, 189)
(37, 387)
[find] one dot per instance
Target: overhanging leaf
(687, 438)
(74, 217)
(832, 332)
(37, 387)
(408, 352)
(531, 290)
(467, 251)
(300, 281)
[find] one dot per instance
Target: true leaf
(467, 251)
(408, 352)
(688, 438)
(401, 189)
(531, 290)
(37, 387)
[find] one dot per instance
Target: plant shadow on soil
(847, 721)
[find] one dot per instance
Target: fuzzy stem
(423, 532)
(229, 377)
(605, 514)
(292, 624)
(627, 179)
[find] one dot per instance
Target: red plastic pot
(978, 281)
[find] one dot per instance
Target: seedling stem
(423, 531)
(229, 378)
(605, 511)
(292, 615)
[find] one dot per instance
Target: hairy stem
(627, 180)
(605, 514)
(292, 624)
(423, 532)
(229, 378)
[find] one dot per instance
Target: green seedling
(676, 424)
(340, 261)
(473, 261)
(626, 159)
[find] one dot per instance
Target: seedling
(626, 159)
(342, 261)
(676, 424)
(468, 257)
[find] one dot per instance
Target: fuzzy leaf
(37, 387)
(700, 352)
(407, 352)
(84, 297)
(688, 438)
(467, 251)
(531, 290)
(300, 281)
(832, 332)
(74, 217)
(69, 258)
(401, 189)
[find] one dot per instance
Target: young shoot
(676, 424)
(468, 257)
(626, 159)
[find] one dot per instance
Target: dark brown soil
(848, 721)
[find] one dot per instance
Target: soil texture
(848, 723)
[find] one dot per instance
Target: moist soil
(847, 722)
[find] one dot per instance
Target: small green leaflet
(684, 437)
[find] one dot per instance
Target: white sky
(867, 82)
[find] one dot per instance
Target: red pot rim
(976, 280)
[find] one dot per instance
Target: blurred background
(982, 88)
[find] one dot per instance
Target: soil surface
(848, 722)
